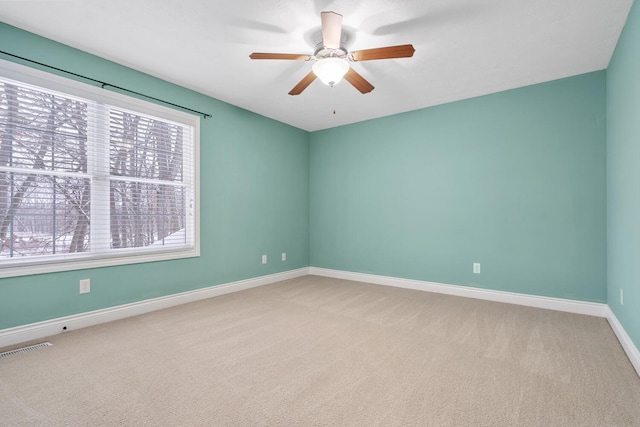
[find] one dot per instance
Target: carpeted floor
(315, 351)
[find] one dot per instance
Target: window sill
(93, 262)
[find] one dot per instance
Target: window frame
(73, 88)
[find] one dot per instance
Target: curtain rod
(105, 84)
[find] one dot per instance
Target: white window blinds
(83, 179)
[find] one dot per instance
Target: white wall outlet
(621, 297)
(85, 286)
(264, 259)
(284, 256)
(476, 268)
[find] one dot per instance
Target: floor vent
(25, 349)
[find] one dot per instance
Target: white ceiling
(464, 48)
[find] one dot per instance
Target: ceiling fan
(332, 59)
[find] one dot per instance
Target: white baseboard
(632, 351)
(33, 331)
(558, 304)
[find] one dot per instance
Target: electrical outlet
(621, 297)
(85, 286)
(284, 256)
(264, 259)
(476, 268)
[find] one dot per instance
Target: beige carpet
(315, 351)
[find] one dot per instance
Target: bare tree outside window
(42, 213)
(47, 177)
(148, 152)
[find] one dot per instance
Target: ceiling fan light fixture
(330, 70)
(331, 57)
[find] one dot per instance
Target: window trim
(32, 76)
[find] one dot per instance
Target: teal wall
(623, 177)
(254, 200)
(513, 180)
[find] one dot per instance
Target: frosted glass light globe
(330, 70)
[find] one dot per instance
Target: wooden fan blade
(358, 81)
(401, 51)
(302, 85)
(288, 56)
(331, 29)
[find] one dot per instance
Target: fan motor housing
(321, 52)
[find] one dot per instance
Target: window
(91, 178)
